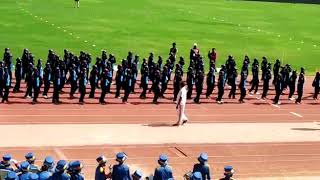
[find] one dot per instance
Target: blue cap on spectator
(33, 176)
(48, 161)
(121, 156)
(196, 176)
(138, 174)
(24, 165)
(45, 175)
(163, 158)
(203, 157)
(11, 176)
(101, 159)
(76, 165)
(30, 156)
(7, 157)
(61, 165)
(228, 168)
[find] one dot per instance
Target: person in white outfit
(181, 104)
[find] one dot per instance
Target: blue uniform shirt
(121, 172)
(100, 173)
(60, 176)
(77, 176)
(24, 176)
(204, 169)
(163, 173)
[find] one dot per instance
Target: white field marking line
(296, 114)
(104, 147)
(130, 115)
(60, 154)
(274, 105)
(123, 109)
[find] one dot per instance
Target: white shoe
(251, 93)
(279, 103)
(291, 99)
(257, 93)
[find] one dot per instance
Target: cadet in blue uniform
(300, 85)
(221, 84)
(105, 83)
(33, 176)
(316, 85)
(93, 80)
(11, 176)
(121, 171)
(7, 58)
(210, 82)
(6, 84)
(36, 79)
(60, 173)
(48, 164)
(278, 88)
(101, 172)
(73, 80)
(56, 86)
(119, 81)
(232, 81)
(82, 85)
(127, 85)
(156, 87)
(176, 83)
(292, 84)
(255, 77)
(76, 174)
(137, 175)
(6, 162)
(203, 166)
(45, 175)
(18, 75)
(228, 173)
(144, 81)
(31, 158)
(266, 80)
(164, 81)
(24, 168)
(47, 77)
(190, 81)
(163, 172)
(29, 75)
(199, 85)
(242, 86)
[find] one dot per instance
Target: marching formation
(155, 74)
(10, 169)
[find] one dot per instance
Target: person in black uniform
(300, 85)
(176, 84)
(278, 88)
(276, 70)
(82, 85)
(119, 81)
(210, 82)
(47, 77)
(134, 71)
(6, 85)
(7, 58)
(316, 85)
(40, 72)
(242, 87)
(105, 83)
(18, 75)
(93, 80)
(266, 80)
(202, 167)
(144, 81)
(29, 75)
(255, 79)
(164, 81)
(292, 84)
(156, 89)
(101, 170)
(73, 80)
(199, 86)
(232, 82)
(221, 84)
(36, 85)
(190, 81)
(127, 85)
(264, 64)
(56, 86)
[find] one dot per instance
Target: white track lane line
(296, 114)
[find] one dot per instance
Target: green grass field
(143, 26)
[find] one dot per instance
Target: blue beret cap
(48, 161)
(203, 157)
(196, 176)
(7, 157)
(76, 165)
(228, 168)
(33, 176)
(138, 173)
(30, 155)
(121, 156)
(24, 165)
(11, 176)
(61, 165)
(163, 158)
(44, 175)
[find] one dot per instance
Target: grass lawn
(276, 30)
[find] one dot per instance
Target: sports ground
(259, 139)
